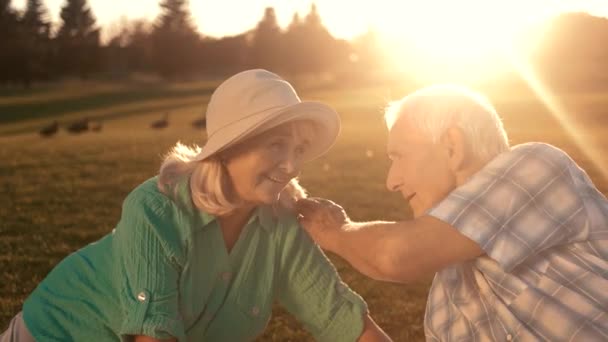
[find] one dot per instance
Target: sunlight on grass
(567, 120)
(63, 192)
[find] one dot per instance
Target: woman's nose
(290, 165)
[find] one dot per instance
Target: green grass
(61, 193)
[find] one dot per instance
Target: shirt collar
(264, 215)
(183, 197)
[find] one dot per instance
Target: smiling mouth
(277, 180)
(410, 196)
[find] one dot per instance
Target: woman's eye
(300, 150)
(277, 145)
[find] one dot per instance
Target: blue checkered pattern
(544, 228)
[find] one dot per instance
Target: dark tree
(227, 55)
(325, 51)
(78, 39)
(35, 19)
(266, 42)
(310, 48)
(313, 19)
(9, 43)
(140, 46)
(35, 40)
(176, 44)
(129, 48)
(295, 61)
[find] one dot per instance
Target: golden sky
(348, 18)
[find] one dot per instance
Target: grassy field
(60, 193)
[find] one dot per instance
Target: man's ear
(453, 140)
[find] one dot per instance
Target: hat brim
(326, 119)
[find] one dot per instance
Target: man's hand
(322, 219)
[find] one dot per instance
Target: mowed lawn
(60, 193)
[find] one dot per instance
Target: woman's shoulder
(287, 225)
(147, 190)
(148, 194)
(146, 209)
(147, 201)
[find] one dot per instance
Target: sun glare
(463, 39)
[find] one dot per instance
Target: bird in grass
(78, 126)
(199, 123)
(162, 123)
(50, 129)
(95, 126)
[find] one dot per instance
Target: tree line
(170, 46)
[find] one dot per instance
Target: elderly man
(517, 237)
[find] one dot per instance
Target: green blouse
(165, 272)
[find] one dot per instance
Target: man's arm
(391, 251)
(142, 338)
(372, 332)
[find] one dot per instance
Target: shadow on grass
(12, 113)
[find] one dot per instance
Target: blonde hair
(210, 184)
(436, 108)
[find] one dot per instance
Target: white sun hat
(255, 101)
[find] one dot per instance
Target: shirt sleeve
(311, 289)
(148, 267)
(520, 204)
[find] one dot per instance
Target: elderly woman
(203, 249)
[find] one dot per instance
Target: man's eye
(300, 150)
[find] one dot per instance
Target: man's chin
(418, 212)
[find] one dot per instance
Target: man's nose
(393, 181)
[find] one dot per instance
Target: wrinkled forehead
(404, 133)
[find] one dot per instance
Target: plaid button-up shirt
(544, 228)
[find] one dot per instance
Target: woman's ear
(454, 142)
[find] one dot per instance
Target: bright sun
(452, 39)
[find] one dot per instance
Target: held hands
(323, 220)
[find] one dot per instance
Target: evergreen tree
(176, 44)
(319, 42)
(78, 39)
(266, 42)
(295, 23)
(35, 19)
(310, 48)
(140, 47)
(313, 19)
(293, 49)
(9, 38)
(35, 40)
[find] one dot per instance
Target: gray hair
(436, 108)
